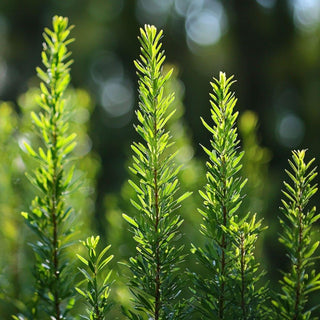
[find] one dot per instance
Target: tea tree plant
(190, 177)
(228, 254)
(95, 293)
(80, 108)
(155, 281)
(248, 301)
(296, 236)
(49, 215)
(230, 287)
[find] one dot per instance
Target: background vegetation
(272, 47)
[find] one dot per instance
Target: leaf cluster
(251, 299)
(296, 236)
(95, 293)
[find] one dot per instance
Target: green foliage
(79, 109)
(49, 216)
(250, 301)
(16, 194)
(95, 293)
(155, 281)
(227, 280)
(228, 254)
(190, 177)
(296, 236)
(221, 199)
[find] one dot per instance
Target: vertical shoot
(222, 198)
(97, 290)
(155, 269)
(297, 237)
(48, 214)
(250, 298)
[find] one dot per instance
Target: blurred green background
(271, 46)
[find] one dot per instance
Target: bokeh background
(271, 46)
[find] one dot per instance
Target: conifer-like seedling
(230, 292)
(95, 292)
(49, 214)
(297, 237)
(250, 299)
(227, 284)
(155, 281)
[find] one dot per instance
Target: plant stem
(298, 266)
(155, 228)
(54, 219)
(156, 197)
(297, 237)
(97, 315)
(243, 286)
(47, 214)
(157, 278)
(56, 266)
(223, 265)
(223, 243)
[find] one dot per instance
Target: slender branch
(157, 278)
(223, 266)
(222, 198)
(298, 265)
(297, 237)
(156, 199)
(225, 215)
(49, 177)
(243, 282)
(95, 292)
(155, 291)
(97, 315)
(54, 196)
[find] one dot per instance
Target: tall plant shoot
(155, 281)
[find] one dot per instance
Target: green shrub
(155, 280)
(229, 283)
(96, 291)
(296, 236)
(229, 252)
